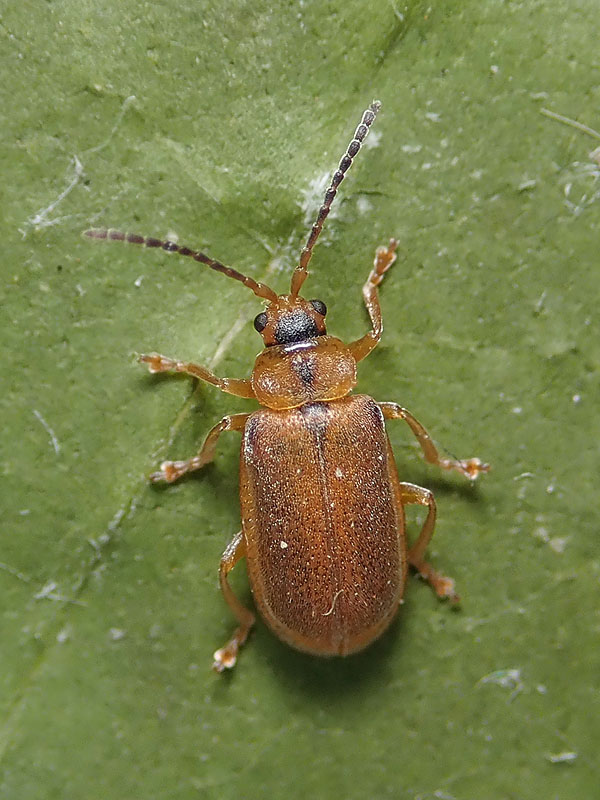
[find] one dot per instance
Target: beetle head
(291, 319)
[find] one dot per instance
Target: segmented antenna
(259, 289)
(301, 271)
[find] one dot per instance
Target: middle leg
(469, 467)
(172, 470)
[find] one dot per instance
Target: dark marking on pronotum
(305, 369)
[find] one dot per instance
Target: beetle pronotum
(322, 506)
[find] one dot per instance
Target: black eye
(260, 322)
(319, 306)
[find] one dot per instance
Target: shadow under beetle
(323, 527)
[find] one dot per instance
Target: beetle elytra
(323, 528)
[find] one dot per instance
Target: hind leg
(226, 656)
(441, 584)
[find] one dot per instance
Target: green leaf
(216, 125)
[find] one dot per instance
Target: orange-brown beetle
(322, 506)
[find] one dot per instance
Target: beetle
(323, 525)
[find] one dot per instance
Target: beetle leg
(443, 586)
(384, 258)
(226, 657)
(172, 470)
(158, 363)
(469, 467)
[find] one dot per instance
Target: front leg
(158, 363)
(384, 258)
(469, 467)
(172, 470)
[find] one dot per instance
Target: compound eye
(319, 306)
(260, 322)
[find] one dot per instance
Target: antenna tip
(95, 233)
(369, 115)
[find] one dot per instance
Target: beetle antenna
(300, 273)
(259, 289)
